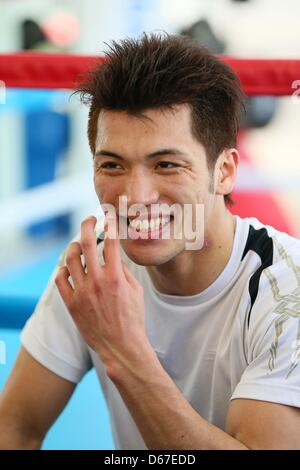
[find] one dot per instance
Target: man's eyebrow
(108, 153)
(156, 153)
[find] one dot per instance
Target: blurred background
(46, 167)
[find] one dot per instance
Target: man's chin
(149, 255)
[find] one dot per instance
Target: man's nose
(141, 189)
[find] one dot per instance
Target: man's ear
(226, 171)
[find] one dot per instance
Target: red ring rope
(35, 70)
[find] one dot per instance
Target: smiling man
(194, 348)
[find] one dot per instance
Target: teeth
(145, 225)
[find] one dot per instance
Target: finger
(128, 274)
(74, 264)
(88, 244)
(64, 287)
(111, 247)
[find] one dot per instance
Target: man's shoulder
(272, 245)
(272, 261)
(274, 285)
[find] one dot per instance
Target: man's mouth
(148, 225)
(148, 228)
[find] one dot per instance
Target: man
(194, 348)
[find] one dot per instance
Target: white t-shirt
(239, 338)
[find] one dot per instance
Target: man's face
(153, 159)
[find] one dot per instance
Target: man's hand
(106, 302)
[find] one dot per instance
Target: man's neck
(191, 272)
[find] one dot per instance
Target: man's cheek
(108, 193)
(102, 194)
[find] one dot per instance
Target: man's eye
(110, 165)
(167, 165)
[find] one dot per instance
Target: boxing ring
(61, 72)
(259, 77)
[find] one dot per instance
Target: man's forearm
(163, 415)
(14, 435)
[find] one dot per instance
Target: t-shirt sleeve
(52, 338)
(272, 340)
